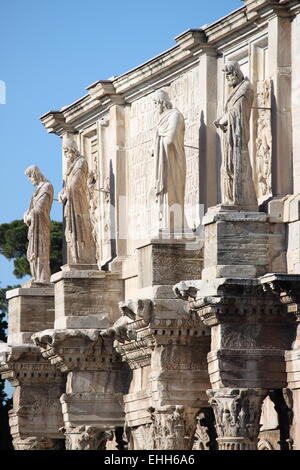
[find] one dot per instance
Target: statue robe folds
(38, 216)
(237, 183)
(78, 225)
(170, 161)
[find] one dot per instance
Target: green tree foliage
(56, 256)
(13, 245)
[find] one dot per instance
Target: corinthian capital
(237, 413)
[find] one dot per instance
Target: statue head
(233, 73)
(162, 101)
(70, 148)
(34, 174)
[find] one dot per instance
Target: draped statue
(170, 163)
(37, 217)
(74, 197)
(236, 172)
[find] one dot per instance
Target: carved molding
(286, 288)
(23, 365)
(74, 349)
(229, 300)
(264, 140)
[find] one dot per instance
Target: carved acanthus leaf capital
(173, 428)
(86, 437)
(237, 412)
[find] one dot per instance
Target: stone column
(296, 97)
(280, 71)
(36, 415)
(286, 288)
(166, 350)
(173, 427)
(208, 134)
(250, 332)
(96, 380)
(164, 347)
(118, 158)
(237, 413)
(86, 438)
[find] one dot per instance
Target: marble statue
(236, 173)
(78, 233)
(37, 217)
(170, 163)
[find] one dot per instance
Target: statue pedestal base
(236, 243)
(163, 262)
(86, 298)
(30, 309)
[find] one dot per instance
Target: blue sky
(51, 50)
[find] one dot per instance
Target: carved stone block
(163, 262)
(86, 298)
(236, 244)
(29, 310)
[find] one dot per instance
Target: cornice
(55, 123)
(164, 68)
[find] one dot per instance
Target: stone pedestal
(163, 262)
(236, 243)
(96, 380)
(30, 309)
(85, 297)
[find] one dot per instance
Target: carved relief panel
(93, 142)
(264, 140)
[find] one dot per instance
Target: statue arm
(27, 217)
(175, 124)
(222, 122)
